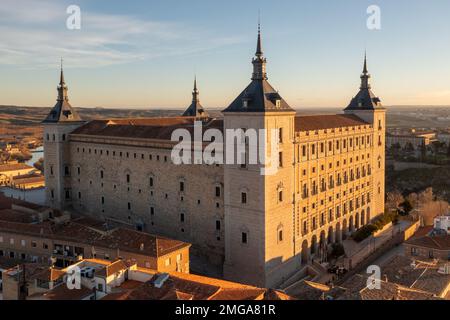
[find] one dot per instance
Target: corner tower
(259, 208)
(61, 120)
(368, 107)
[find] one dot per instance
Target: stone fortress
(259, 229)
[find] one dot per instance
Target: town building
(11, 170)
(258, 229)
(34, 233)
(412, 139)
(431, 242)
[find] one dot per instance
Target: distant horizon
(217, 108)
(140, 53)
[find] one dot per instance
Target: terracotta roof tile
(320, 122)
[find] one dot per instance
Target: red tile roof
(320, 122)
(14, 166)
(151, 128)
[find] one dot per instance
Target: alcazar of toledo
(259, 229)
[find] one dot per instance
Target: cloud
(34, 35)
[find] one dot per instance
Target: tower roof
(259, 95)
(365, 99)
(62, 111)
(195, 109)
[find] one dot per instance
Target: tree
(393, 199)
(407, 207)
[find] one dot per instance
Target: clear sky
(145, 53)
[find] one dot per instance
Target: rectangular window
(280, 159)
(151, 181)
(217, 191)
(182, 217)
(217, 224)
(22, 243)
(129, 206)
(128, 178)
(280, 135)
(181, 186)
(167, 262)
(280, 196)
(243, 197)
(244, 237)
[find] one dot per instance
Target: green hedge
(378, 224)
(364, 232)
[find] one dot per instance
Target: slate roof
(62, 111)
(195, 109)
(365, 98)
(260, 97)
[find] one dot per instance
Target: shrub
(364, 232)
(337, 250)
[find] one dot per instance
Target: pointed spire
(259, 62)
(195, 92)
(61, 78)
(259, 52)
(365, 75)
(62, 88)
(365, 63)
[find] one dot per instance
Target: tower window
(280, 196)
(182, 217)
(181, 186)
(280, 159)
(103, 200)
(280, 135)
(64, 137)
(152, 211)
(217, 191)
(101, 174)
(151, 181)
(217, 224)
(128, 178)
(129, 206)
(280, 235)
(66, 171)
(52, 193)
(244, 237)
(243, 197)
